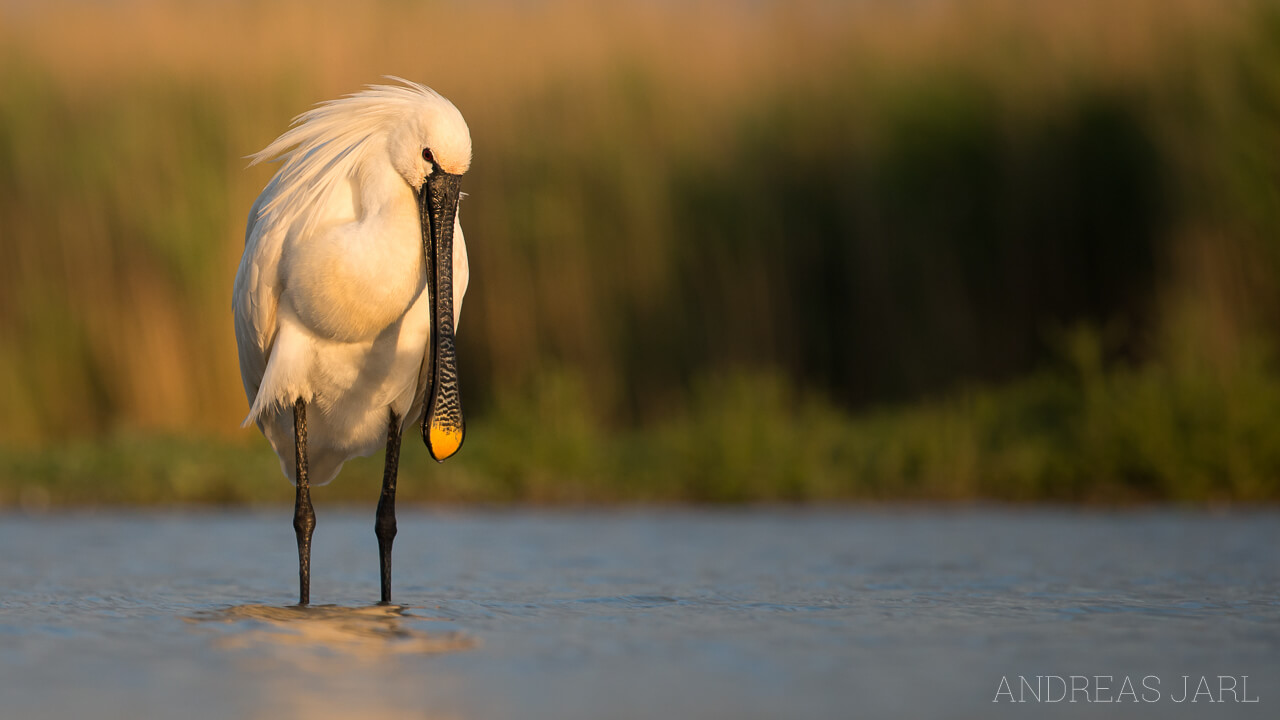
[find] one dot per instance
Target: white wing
(256, 294)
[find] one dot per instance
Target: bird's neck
(382, 194)
(369, 263)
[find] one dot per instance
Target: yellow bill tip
(444, 441)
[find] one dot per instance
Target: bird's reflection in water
(328, 661)
(368, 633)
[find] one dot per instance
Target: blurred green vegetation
(728, 253)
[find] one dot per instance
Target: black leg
(304, 516)
(385, 524)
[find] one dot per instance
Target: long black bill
(443, 428)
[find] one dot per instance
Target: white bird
(349, 290)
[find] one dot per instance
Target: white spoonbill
(349, 290)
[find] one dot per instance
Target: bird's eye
(426, 155)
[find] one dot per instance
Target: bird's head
(431, 149)
(429, 145)
(431, 137)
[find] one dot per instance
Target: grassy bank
(723, 252)
(1077, 433)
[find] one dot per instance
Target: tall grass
(721, 251)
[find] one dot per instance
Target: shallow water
(639, 614)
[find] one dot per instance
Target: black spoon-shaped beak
(443, 428)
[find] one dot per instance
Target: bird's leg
(304, 516)
(385, 524)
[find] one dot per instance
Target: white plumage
(331, 299)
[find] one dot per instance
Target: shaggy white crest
(325, 145)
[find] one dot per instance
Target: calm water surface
(639, 614)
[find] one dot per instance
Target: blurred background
(721, 251)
